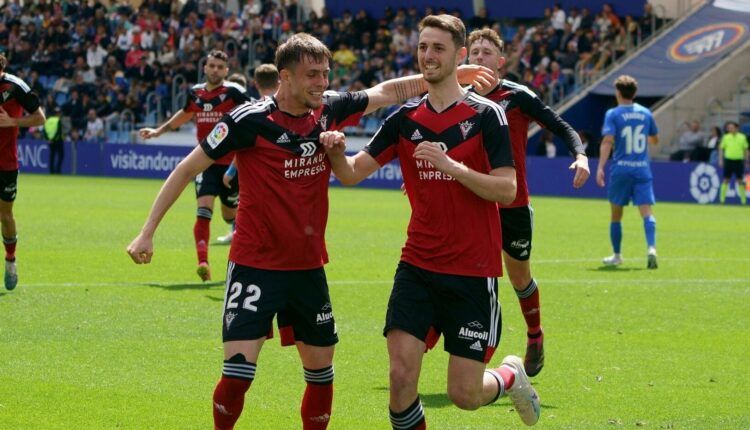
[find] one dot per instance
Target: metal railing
(178, 96)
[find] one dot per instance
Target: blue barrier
(676, 182)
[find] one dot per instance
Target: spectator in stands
(94, 128)
(649, 23)
(712, 145)
(691, 139)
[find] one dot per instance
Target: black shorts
(8, 185)
(463, 308)
(210, 183)
(517, 225)
(299, 299)
(734, 167)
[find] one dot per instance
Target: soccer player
(629, 127)
(455, 154)
(733, 155)
(266, 79)
(16, 98)
(206, 103)
(522, 107)
(278, 252)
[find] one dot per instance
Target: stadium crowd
(104, 64)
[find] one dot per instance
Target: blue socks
(649, 226)
(615, 235)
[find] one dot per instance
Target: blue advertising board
(676, 182)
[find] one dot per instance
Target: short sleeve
(496, 138)
(346, 109)
(228, 136)
(190, 105)
(653, 128)
(382, 146)
(27, 99)
(608, 128)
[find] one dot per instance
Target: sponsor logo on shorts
(228, 318)
(469, 334)
(218, 134)
(326, 316)
(476, 346)
(520, 243)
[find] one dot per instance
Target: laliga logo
(704, 183)
(706, 41)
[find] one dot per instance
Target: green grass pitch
(89, 340)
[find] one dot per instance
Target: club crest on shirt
(218, 134)
(466, 127)
(222, 97)
(504, 104)
(323, 122)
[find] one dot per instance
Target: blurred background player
(266, 78)
(733, 155)
(207, 102)
(630, 127)
(455, 153)
(522, 107)
(16, 98)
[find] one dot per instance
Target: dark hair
(448, 23)
(219, 55)
(238, 78)
(298, 47)
(266, 76)
(627, 86)
(488, 35)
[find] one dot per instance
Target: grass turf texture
(90, 340)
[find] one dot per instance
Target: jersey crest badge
(466, 127)
(222, 97)
(323, 122)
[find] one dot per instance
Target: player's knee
(464, 397)
(402, 377)
(204, 212)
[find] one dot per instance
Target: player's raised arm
(395, 91)
(141, 248)
(177, 120)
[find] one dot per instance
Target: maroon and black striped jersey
(209, 106)
(452, 230)
(284, 172)
(521, 107)
(15, 97)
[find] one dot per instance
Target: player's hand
(581, 166)
(5, 119)
(227, 180)
(600, 177)
(334, 142)
(141, 249)
(432, 152)
(473, 74)
(148, 133)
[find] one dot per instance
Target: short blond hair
(487, 34)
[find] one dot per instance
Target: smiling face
(437, 54)
(307, 81)
(484, 53)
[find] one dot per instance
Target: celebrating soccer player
(278, 250)
(517, 218)
(207, 102)
(628, 127)
(16, 97)
(455, 154)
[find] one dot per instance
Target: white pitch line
(596, 260)
(388, 282)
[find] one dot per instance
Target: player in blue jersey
(630, 127)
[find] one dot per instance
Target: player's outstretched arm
(348, 170)
(395, 91)
(497, 186)
(36, 119)
(178, 119)
(604, 150)
(141, 248)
